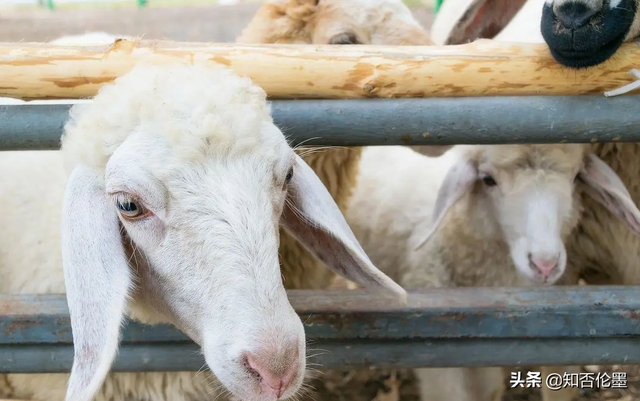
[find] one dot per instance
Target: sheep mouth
(585, 59)
(592, 44)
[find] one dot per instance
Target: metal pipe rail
(355, 329)
(352, 329)
(425, 121)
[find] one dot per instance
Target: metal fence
(438, 327)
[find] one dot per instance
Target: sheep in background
(379, 22)
(478, 216)
(178, 182)
(579, 33)
(603, 249)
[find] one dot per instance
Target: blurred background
(179, 20)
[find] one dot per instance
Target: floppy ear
(462, 21)
(97, 280)
(458, 181)
(314, 219)
(604, 185)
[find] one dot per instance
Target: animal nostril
(545, 265)
(574, 15)
(274, 382)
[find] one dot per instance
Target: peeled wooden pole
(482, 68)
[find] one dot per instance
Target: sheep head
(178, 182)
(579, 33)
(382, 22)
(528, 197)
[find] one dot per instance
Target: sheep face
(179, 182)
(205, 234)
(340, 22)
(529, 191)
(585, 33)
(529, 197)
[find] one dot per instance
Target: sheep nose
(574, 14)
(545, 265)
(275, 378)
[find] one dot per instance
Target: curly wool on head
(174, 103)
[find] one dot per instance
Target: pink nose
(273, 381)
(545, 265)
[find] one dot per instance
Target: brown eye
(289, 176)
(131, 209)
(489, 181)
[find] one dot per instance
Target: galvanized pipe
(430, 121)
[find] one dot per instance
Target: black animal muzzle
(579, 36)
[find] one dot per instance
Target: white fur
(197, 148)
(474, 234)
(525, 25)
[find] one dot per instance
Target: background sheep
(379, 22)
(477, 216)
(579, 33)
(153, 215)
(603, 249)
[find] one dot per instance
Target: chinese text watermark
(557, 381)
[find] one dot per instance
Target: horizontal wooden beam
(437, 121)
(438, 327)
(481, 68)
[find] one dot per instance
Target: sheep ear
(604, 185)
(313, 218)
(462, 21)
(458, 181)
(97, 280)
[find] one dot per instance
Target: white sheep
(178, 181)
(477, 216)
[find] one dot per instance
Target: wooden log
(481, 68)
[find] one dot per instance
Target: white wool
(392, 208)
(191, 113)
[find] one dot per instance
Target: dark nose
(574, 15)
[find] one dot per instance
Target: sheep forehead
(361, 9)
(565, 159)
(196, 109)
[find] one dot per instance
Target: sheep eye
(489, 181)
(130, 209)
(345, 38)
(289, 176)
